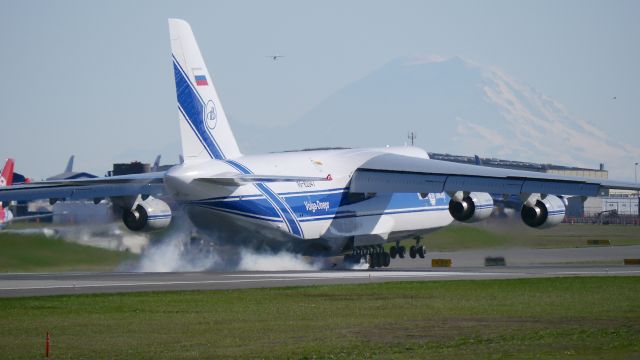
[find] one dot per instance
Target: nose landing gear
(416, 250)
(398, 251)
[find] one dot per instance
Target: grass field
(581, 318)
(29, 253)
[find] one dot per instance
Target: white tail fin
(69, 167)
(205, 131)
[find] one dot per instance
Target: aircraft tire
(421, 252)
(401, 251)
(371, 260)
(386, 259)
(393, 252)
(412, 252)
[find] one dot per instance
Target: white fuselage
(323, 212)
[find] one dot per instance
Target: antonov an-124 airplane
(320, 203)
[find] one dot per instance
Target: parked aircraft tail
(205, 131)
(69, 167)
(6, 177)
(156, 164)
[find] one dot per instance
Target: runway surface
(14, 285)
(467, 265)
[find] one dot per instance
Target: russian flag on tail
(201, 80)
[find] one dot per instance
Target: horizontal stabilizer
(87, 189)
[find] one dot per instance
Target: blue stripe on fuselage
(279, 205)
(328, 205)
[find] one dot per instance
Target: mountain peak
(460, 107)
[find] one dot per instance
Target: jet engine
(148, 215)
(470, 207)
(7, 215)
(545, 213)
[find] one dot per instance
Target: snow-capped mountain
(458, 107)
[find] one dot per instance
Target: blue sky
(93, 78)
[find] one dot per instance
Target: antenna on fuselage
(412, 136)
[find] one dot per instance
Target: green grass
(32, 253)
(500, 234)
(583, 318)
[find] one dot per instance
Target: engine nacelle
(471, 208)
(5, 215)
(545, 213)
(148, 215)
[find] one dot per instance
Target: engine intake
(472, 207)
(149, 215)
(545, 213)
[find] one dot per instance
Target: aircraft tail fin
(204, 128)
(6, 177)
(69, 167)
(156, 164)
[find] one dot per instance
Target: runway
(467, 265)
(16, 285)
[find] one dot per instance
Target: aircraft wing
(398, 173)
(82, 189)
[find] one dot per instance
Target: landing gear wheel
(379, 259)
(374, 261)
(421, 251)
(386, 259)
(393, 252)
(401, 251)
(370, 261)
(412, 252)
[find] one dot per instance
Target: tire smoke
(180, 249)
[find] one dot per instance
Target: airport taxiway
(14, 285)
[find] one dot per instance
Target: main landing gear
(375, 256)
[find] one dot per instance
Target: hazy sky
(94, 78)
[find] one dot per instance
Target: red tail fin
(6, 178)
